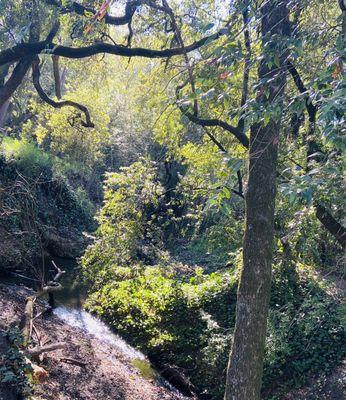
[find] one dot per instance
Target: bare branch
(73, 361)
(242, 138)
(310, 107)
(179, 39)
(36, 351)
(59, 273)
(239, 192)
(215, 141)
(21, 50)
(57, 104)
(79, 9)
(331, 224)
(14, 80)
(57, 80)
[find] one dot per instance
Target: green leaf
(226, 193)
(266, 119)
(208, 26)
(234, 164)
(277, 60)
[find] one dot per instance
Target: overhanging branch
(242, 138)
(322, 214)
(235, 131)
(21, 50)
(14, 80)
(57, 104)
(331, 224)
(310, 107)
(80, 9)
(220, 146)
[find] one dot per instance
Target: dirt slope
(107, 374)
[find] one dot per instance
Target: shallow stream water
(69, 307)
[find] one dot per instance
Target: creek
(69, 308)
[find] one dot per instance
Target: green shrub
(29, 159)
(305, 333)
(126, 234)
(188, 321)
(15, 370)
(177, 321)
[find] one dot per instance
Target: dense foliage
(150, 156)
(15, 368)
(40, 208)
(183, 315)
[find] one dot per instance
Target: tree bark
(244, 374)
(4, 107)
(14, 80)
(331, 224)
(3, 112)
(23, 50)
(57, 78)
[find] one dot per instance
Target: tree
(246, 360)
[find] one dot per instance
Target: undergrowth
(187, 320)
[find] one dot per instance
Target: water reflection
(95, 327)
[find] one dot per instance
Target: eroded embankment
(107, 373)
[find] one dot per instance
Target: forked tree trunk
(244, 374)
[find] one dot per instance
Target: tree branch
(322, 214)
(215, 141)
(57, 104)
(36, 351)
(57, 80)
(14, 80)
(79, 9)
(179, 39)
(331, 224)
(21, 50)
(242, 138)
(20, 70)
(239, 192)
(310, 107)
(238, 131)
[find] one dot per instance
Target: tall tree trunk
(244, 374)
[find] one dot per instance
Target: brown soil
(107, 375)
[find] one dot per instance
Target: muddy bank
(107, 373)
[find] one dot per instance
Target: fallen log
(26, 327)
(174, 376)
(25, 324)
(38, 350)
(73, 361)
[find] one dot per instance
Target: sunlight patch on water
(95, 327)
